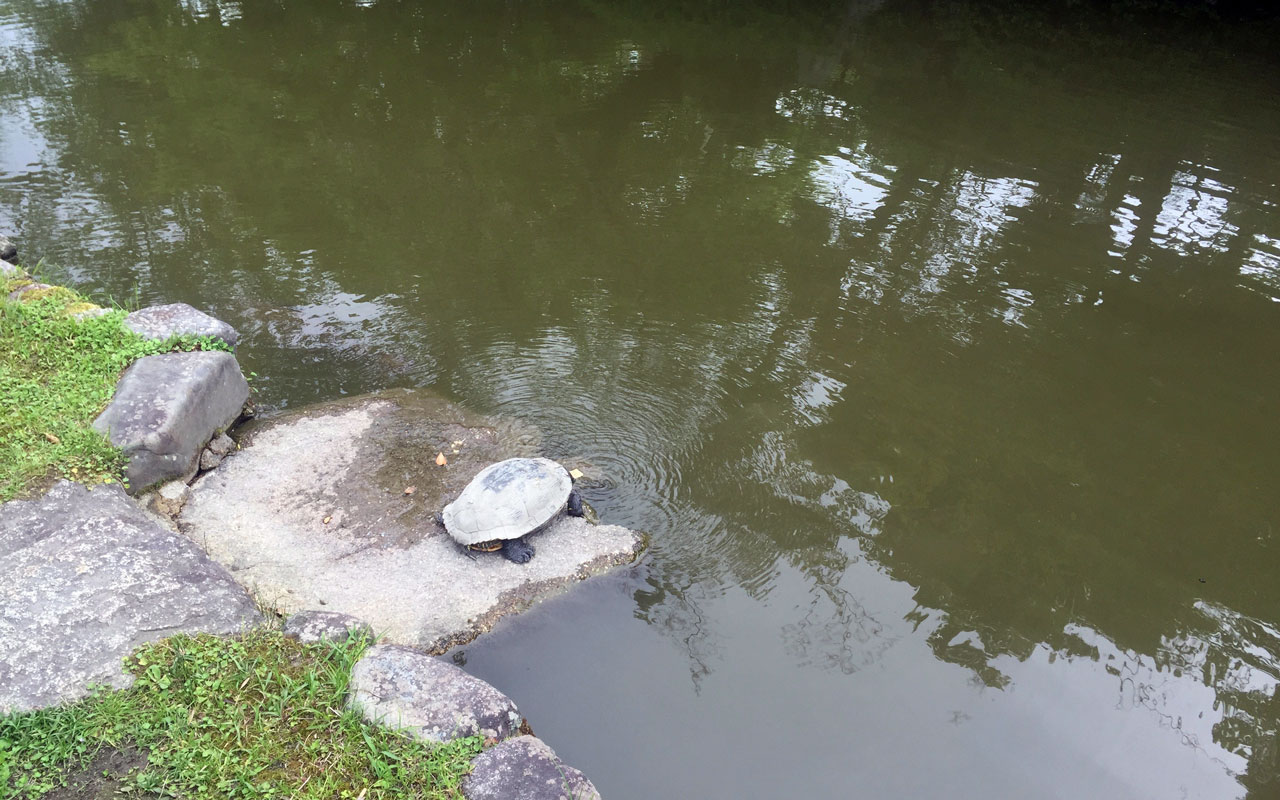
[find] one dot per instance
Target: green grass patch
(257, 716)
(57, 373)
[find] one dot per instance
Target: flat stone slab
(165, 409)
(177, 319)
(86, 577)
(525, 768)
(332, 507)
(428, 698)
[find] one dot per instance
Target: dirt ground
(105, 777)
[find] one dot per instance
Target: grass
(256, 716)
(57, 373)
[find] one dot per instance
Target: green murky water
(938, 352)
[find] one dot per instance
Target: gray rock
(525, 768)
(175, 319)
(170, 498)
(166, 407)
(314, 510)
(8, 250)
(86, 577)
(209, 459)
(8, 270)
(222, 444)
(219, 447)
(312, 626)
(428, 698)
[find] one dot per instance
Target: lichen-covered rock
(428, 698)
(313, 626)
(166, 407)
(177, 319)
(86, 577)
(525, 768)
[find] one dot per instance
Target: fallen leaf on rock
(326, 519)
(410, 489)
(441, 460)
(52, 438)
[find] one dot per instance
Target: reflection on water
(937, 357)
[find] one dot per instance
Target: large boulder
(178, 319)
(428, 698)
(8, 250)
(332, 507)
(86, 577)
(167, 407)
(525, 768)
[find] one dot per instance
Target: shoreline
(171, 414)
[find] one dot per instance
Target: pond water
(936, 348)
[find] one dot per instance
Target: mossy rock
(14, 284)
(49, 293)
(82, 307)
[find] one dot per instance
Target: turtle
(508, 501)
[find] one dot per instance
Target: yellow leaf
(441, 460)
(410, 489)
(326, 519)
(575, 473)
(53, 438)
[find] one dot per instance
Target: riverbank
(89, 575)
(226, 717)
(60, 359)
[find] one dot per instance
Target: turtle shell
(508, 500)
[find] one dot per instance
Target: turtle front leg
(575, 504)
(517, 550)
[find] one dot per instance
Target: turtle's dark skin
(519, 550)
